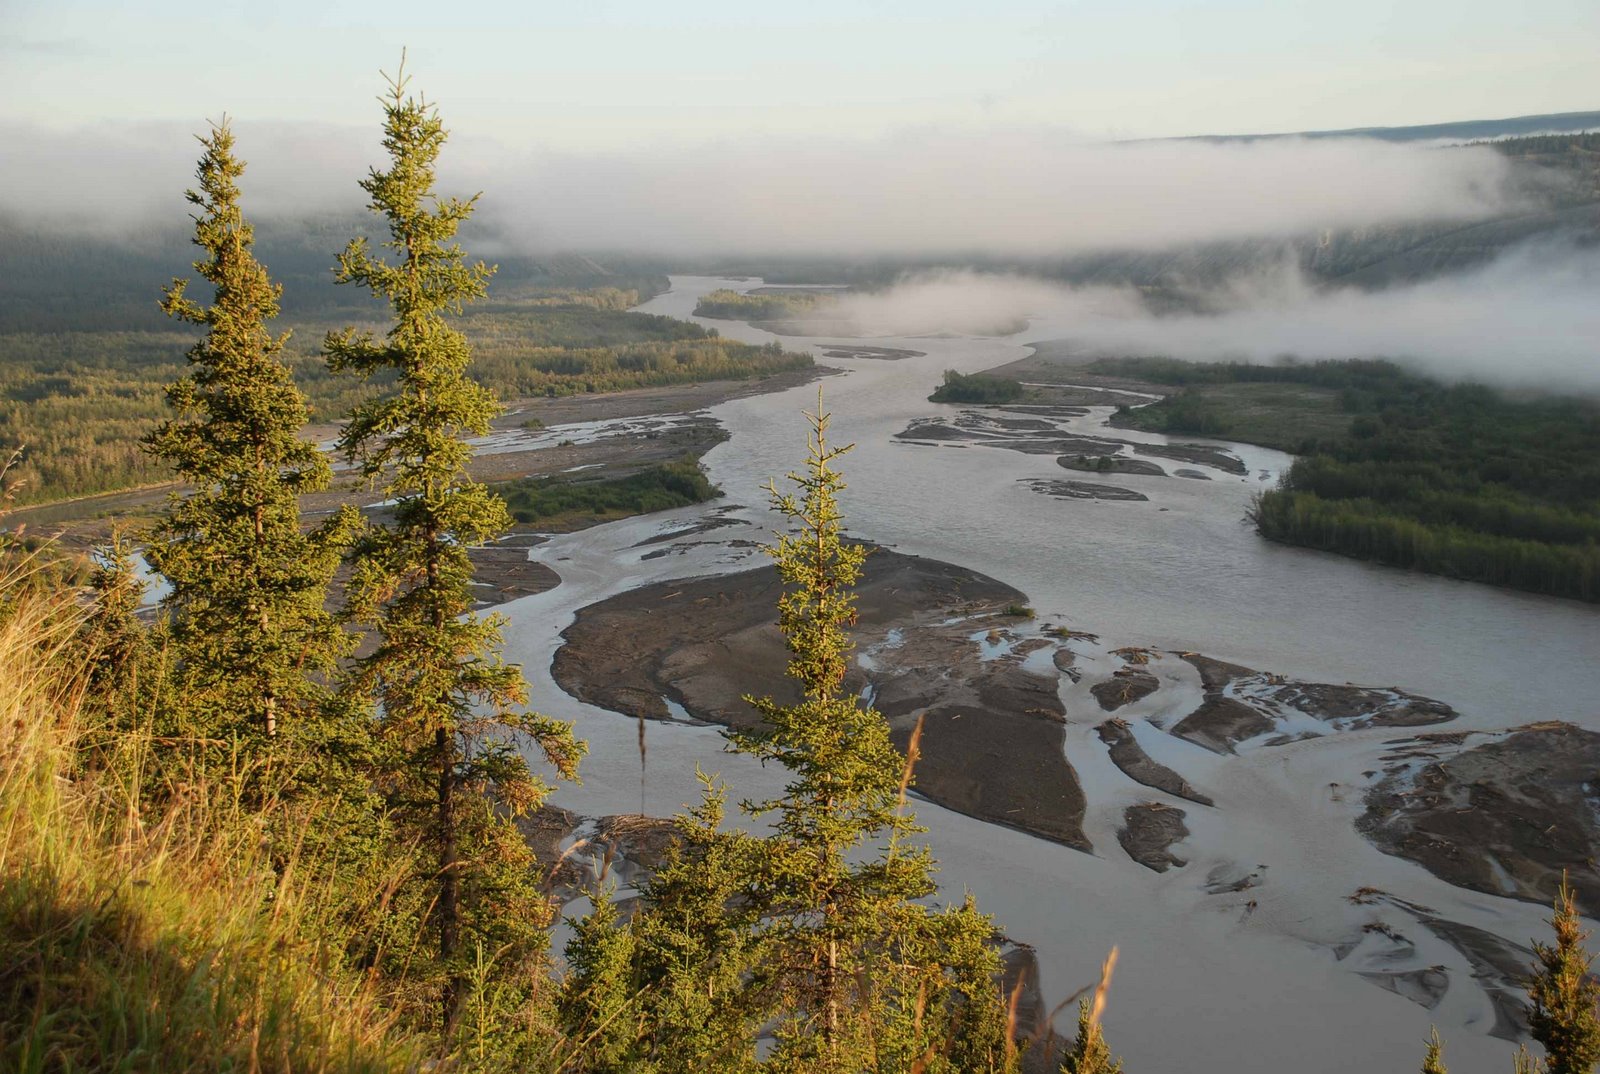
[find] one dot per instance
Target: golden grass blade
(913, 754)
(1106, 969)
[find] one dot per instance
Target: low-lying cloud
(1528, 318)
(1034, 192)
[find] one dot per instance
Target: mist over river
(1242, 982)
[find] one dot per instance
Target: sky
(608, 75)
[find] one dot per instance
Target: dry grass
(140, 939)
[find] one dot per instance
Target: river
(1204, 981)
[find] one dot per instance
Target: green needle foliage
(673, 991)
(247, 607)
(111, 629)
(1090, 1054)
(1564, 994)
(861, 976)
(449, 735)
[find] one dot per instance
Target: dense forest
(1459, 480)
(78, 401)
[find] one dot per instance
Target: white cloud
(1033, 192)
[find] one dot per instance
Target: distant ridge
(1464, 130)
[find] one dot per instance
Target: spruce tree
(115, 642)
(856, 971)
(1089, 1054)
(599, 1006)
(809, 933)
(1564, 994)
(450, 725)
(687, 998)
(246, 611)
(1433, 1061)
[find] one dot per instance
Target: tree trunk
(449, 880)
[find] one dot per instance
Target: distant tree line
(1453, 479)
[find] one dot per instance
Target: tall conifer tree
(1564, 994)
(860, 971)
(450, 720)
(247, 605)
(811, 931)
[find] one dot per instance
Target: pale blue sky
(601, 74)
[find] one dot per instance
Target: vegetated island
(1460, 480)
(976, 388)
(817, 311)
(568, 501)
(775, 304)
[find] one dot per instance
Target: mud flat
(885, 354)
(1393, 953)
(584, 853)
(503, 572)
(1199, 454)
(1504, 813)
(1148, 831)
(1046, 432)
(1126, 686)
(1137, 765)
(1242, 705)
(1082, 490)
(948, 646)
(933, 644)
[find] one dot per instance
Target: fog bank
(1528, 318)
(1025, 192)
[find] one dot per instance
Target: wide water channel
(1203, 984)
